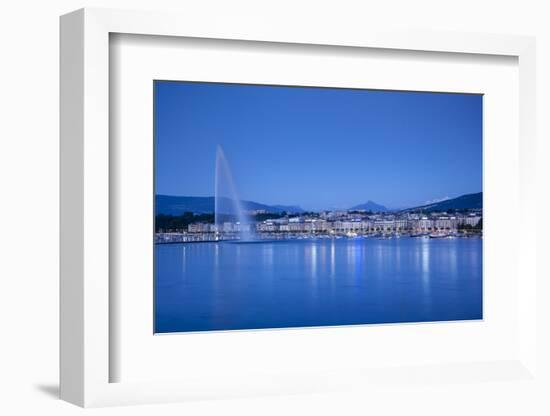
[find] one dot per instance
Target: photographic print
(289, 206)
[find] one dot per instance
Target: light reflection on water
(220, 286)
(332, 259)
(426, 284)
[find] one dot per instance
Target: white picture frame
(86, 218)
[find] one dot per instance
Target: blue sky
(319, 148)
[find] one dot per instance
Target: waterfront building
(316, 225)
(266, 227)
(367, 226)
(471, 220)
(295, 226)
(446, 223)
(424, 225)
(199, 227)
(401, 224)
(322, 225)
(384, 225)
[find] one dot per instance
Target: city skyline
(319, 148)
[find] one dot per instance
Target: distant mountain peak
(369, 206)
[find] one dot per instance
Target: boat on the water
(439, 234)
(419, 235)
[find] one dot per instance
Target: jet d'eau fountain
(227, 204)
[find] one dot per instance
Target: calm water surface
(297, 283)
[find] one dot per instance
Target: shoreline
(310, 238)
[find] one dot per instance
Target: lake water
(299, 283)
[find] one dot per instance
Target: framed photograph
(268, 223)
(268, 211)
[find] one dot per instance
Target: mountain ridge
(177, 205)
(466, 201)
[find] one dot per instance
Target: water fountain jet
(227, 202)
